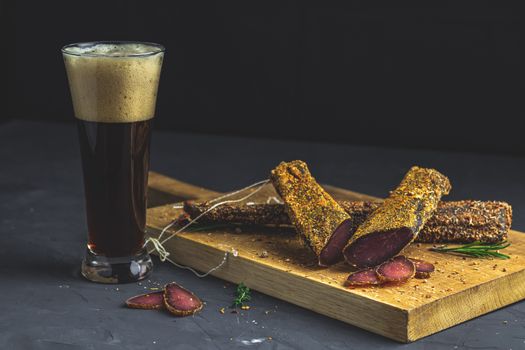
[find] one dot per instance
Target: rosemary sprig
(242, 295)
(476, 249)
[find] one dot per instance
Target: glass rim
(156, 48)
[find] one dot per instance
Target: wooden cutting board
(459, 290)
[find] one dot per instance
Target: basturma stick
(453, 222)
(322, 223)
(398, 220)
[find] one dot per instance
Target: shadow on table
(36, 262)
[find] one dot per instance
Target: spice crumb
(221, 310)
(263, 254)
(245, 307)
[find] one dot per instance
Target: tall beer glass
(114, 90)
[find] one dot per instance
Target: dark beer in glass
(114, 89)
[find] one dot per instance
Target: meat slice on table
(148, 301)
(180, 301)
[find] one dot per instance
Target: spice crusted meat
(399, 219)
(317, 217)
(453, 222)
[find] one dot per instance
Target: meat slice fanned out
(365, 277)
(396, 270)
(423, 268)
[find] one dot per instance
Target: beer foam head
(113, 82)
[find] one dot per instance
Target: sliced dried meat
(365, 277)
(148, 301)
(332, 252)
(396, 270)
(314, 213)
(180, 301)
(398, 220)
(423, 268)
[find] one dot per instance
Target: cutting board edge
(419, 317)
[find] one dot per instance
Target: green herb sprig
(242, 295)
(476, 249)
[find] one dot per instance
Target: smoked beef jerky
(323, 224)
(452, 222)
(253, 214)
(468, 221)
(398, 220)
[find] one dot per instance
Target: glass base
(102, 269)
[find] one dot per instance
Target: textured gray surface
(46, 305)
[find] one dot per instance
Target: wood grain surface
(459, 290)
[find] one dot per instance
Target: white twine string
(158, 244)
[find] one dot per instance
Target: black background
(437, 74)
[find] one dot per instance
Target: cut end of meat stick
(314, 213)
(332, 253)
(398, 220)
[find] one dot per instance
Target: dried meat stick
(253, 214)
(468, 221)
(398, 220)
(322, 223)
(453, 222)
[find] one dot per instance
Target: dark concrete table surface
(45, 304)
